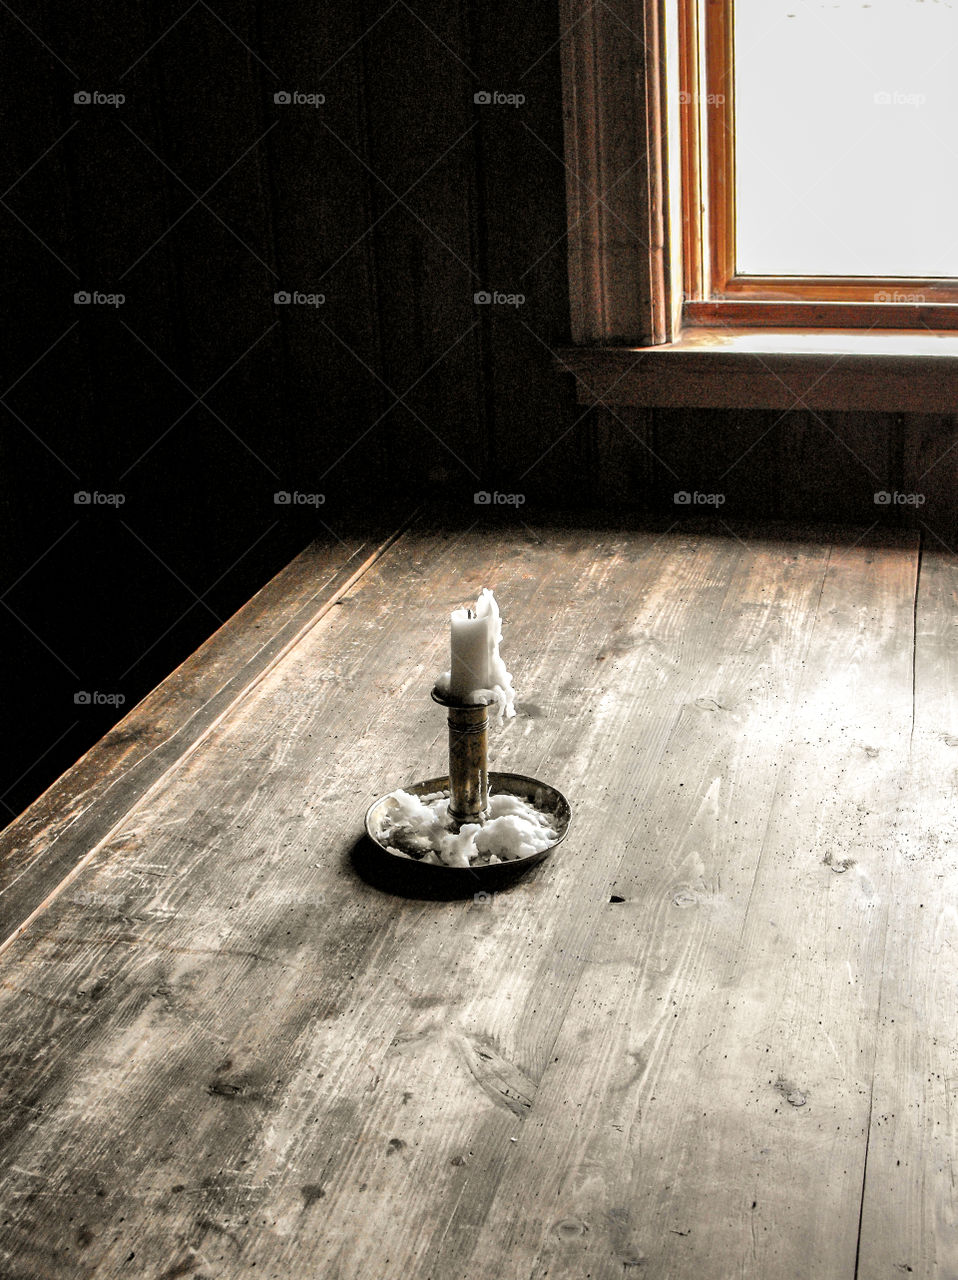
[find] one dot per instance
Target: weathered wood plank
(52, 836)
(731, 463)
(706, 1110)
(626, 764)
(258, 1059)
(305, 977)
(885, 372)
(507, 992)
(625, 466)
(261, 1018)
(909, 1195)
(612, 106)
(836, 462)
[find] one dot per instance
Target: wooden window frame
(614, 97)
(644, 276)
(714, 292)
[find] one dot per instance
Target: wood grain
(335, 955)
(823, 314)
(613, 107)
(52, 836)
(227, 1055)
(909, 1196)
(723, 368)
(694, 1122)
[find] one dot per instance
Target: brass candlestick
(470, 785)
(468, 758)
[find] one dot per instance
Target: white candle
(477, 671)
(471, 641)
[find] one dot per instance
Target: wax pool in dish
(419, 827)
(477, 672)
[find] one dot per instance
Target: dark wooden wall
(854, 469)
(199, 198)
(399, 199)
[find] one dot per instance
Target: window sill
(888, 371)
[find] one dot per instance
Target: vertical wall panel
(321, 209)
(524, 252)
(421, 148)
(929, 479)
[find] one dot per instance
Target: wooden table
(713, 1035)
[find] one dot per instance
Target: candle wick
(470, 614)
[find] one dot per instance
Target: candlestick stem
(468, 760)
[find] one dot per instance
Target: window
(670, 194)
(827, 169)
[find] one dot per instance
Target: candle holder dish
(470, 785)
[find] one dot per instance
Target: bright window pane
(846, 137)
